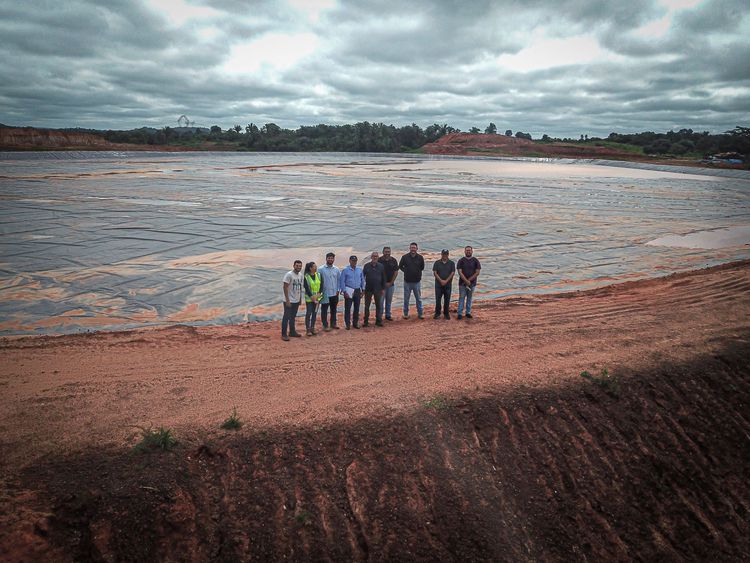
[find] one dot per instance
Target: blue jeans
(466, 296)
(386, 300)
(350, 318)
(290, 313)
(410, 287)
(311, 315)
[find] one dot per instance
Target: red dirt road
(425, 439)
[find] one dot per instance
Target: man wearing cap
(468, 270)
(390, 264)
(374, 274)
(352, 284)
(331, 275)
(412, 265)
(443, 270)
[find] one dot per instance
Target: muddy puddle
(114, 240)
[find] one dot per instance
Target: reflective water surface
(116, 240)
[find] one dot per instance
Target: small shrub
(233, 422)
(437, 402)
(160, 439)
(610, 384)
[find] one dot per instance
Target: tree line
(687, 141)
(378, 137)
(360, 137)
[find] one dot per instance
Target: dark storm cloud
(129, 63)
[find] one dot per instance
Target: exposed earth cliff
(502, 145)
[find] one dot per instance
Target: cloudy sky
(562, 67)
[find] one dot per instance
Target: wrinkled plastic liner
(116, 240)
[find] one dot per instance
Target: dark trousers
(374, 296)
(311, 315)
(333, 303)
(442, 293)
(356, 298)
(290, 313)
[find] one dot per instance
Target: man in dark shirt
(443, 270)
(468, 270)
(374, 273)
(391, 273)
(412, 265)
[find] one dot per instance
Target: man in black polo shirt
(412, 265)
(443, 270)
(468, 270)
(391, 273)
(374, 273)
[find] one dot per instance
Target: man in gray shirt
(443, 270)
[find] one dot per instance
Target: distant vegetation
(360, 137)
(378, 137)
(688, 142)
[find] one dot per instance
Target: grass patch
(625, 147)
(610, 384)
(437, 403)
(159, 439)
(233, 422)
(302, 517)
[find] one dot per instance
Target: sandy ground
(67, 393)
(423, 440)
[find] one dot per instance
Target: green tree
(475, 130)
(271, 129)
(508, 133)
(491, 129)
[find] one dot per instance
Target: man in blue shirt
(352, 284)
(331, 276)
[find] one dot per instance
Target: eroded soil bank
(432, 440)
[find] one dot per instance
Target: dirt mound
(31, 138)
(501, 145)
(474, 440)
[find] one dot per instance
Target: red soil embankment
(31, 138)
(26, 138)
(501, 145)
(423, 440)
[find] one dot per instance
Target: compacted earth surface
(430, 440)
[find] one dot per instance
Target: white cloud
(545, 53)
(272, 52)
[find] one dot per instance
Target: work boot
(285, 338)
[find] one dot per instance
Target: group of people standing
(321, 288)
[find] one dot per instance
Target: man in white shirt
(292, 297)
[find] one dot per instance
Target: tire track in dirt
(572, 473)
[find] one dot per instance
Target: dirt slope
(423, 440)
(500, 145)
